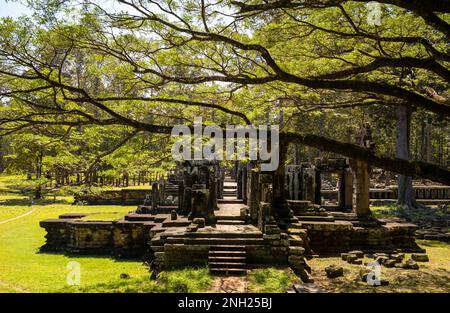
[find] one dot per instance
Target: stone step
(229, 192)
(227, 256)
(231, 248)
(230, 201)
(228, 271)
(176, 223)
(242, 265)
(230, 222)
(216, 241)
(317, 218)
(228, 218)
(139, 217)
(224, 235)
(229, 186)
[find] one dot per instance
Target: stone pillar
(348, 201)
(187, 194)
(361, 189)
(244, 183)
(239, 182)
(155, 196)
(308, 184)
(212, 200)
(220, 180)
(253, 196)
(201, 206)
(318, 188)
(289, 182)
(180, 196)
(296, 183)
(279, 203)
(264, 214)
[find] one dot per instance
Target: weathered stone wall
(121, 238)
(115, 197)
(342, 236)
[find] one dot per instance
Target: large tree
(229, 61)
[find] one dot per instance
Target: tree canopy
(102, 76)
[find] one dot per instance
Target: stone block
(199, 221)
(390, 263)
(358, 253)
(334, 271)
(296, 251)
(410, 264)
(271, 236)
(420, 257)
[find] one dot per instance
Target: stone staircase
(229, 192)
(227, 260)
(230, 188)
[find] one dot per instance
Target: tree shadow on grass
(27, 202)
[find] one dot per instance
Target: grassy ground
(24, 269)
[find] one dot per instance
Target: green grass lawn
(24, 269)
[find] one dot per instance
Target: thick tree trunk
(38, 190)
(406, 199)
(428, 140)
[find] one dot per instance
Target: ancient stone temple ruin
(237, 218)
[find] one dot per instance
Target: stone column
(296, 183)
(239, 182)
(318, 188)
(155, 196)
(279, 203)
(348, 201)
(244, 183)
(361, 189)
(288, 177)
(180, 196)
(253, 197)
(309, 183)
(212, 200)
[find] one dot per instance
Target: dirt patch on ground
(230, 284)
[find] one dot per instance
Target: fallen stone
(390, 263)
(192, 228)
(420, 257)
(381, 259)
(383, 282)
(344, 256)
(351, 257)
(376, 255)
(363, 273)
(173, 215)
(411, 265)
(334, 271)
(397, 256)
(199, 221)
(356, 262)
(400, 265)
(358, 253)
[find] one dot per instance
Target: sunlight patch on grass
(270, 280)
(23, 267)
(184, 280)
